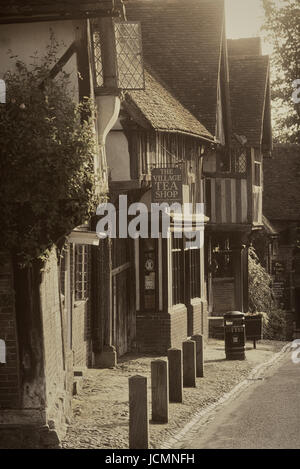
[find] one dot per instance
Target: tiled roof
(244, 46)
(281, 200)
(182, 42)
(248, 92)
(161, 110)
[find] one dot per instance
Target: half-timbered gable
(234, 188)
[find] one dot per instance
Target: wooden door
(123, 311)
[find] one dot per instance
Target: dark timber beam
(29, 17)
(84, 57)
(60, 64)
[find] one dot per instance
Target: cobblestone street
(100, 410)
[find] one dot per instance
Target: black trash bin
(254, 327)
(234, 333)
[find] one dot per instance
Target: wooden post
(160, 391)
(138, 413)
(175, 374)
(199, 355)
(108, 53)
(189, 363)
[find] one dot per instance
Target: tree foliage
(260, 285)
(46, 160)
(261, 299)
(283, 30)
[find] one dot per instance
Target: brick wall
(36, 410)
(205, 320)
(9, 372)
(153, 333)
(196, 316)
(178, 320)
(58, 358)
(158, 332)
(33, 409)
(81, 334)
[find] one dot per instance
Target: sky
(244, 18)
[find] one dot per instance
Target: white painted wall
(26, 40)
(117, 153)
(210, 163)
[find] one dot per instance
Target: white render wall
(25, 40)
(117, 154)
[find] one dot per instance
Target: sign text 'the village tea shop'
(166, 185)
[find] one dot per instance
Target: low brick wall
(198, 317)
(205, 321)
(178, 324)
(195, 317)
(158, 332)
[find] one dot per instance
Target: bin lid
(234, 314)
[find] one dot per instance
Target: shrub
(46, 160)
(261, 299)
(275, 325)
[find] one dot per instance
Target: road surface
(265, 415)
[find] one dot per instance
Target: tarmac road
(266, 415)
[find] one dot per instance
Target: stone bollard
(189, 363)
(199, 355)
(175, 374)
(138, 413)
(160, 391)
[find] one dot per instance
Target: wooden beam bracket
(60, 64)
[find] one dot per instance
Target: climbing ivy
(46, 159)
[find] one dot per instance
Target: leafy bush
(275, 325)
(46, 160)
(261, 299)
(260, 285)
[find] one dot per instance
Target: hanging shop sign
(166, 185)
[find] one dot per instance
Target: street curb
(204, 414)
